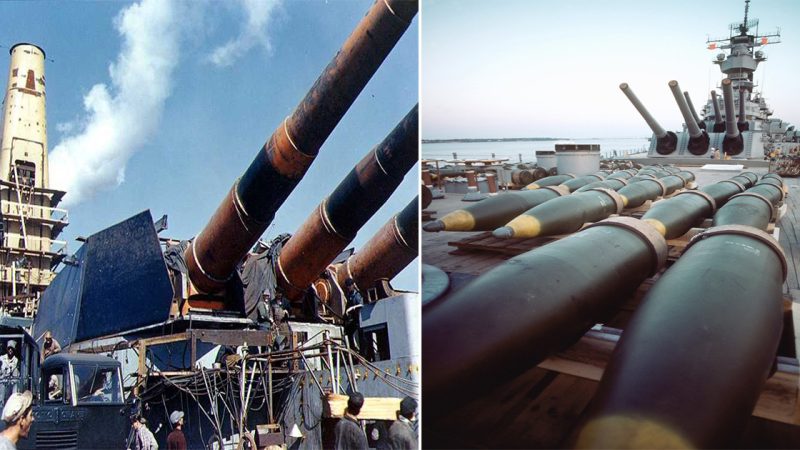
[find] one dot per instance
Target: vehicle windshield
(97, 384)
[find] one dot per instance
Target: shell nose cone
(503, 233)
(436, 225)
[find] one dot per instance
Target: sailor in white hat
(9, 363)
(18, 416)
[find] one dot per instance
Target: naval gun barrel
(551, 296)
(688, 117)
(742, 124)
(336, 221)
(493, 212)
(700, 123)
(387, 252)
(719, 124)
(698, 139)
(667, 141)
(732, 143)
(708, 328)
(250, 205)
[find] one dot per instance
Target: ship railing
(22, 276)
(30, 243)
(12, 208)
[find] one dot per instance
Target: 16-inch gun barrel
(251, 203)
(667, 140)
(387, 253)
(698, 139)
(719, 124)
(336, 221)
(732, 144)
(700, 123)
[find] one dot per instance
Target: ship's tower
(741, 61)
(30, 221)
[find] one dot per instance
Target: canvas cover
(117, 282)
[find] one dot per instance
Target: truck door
(56, 419)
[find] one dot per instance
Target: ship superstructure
(31, 221)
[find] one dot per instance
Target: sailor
(280, 315)
(50, 346)
(143, 439)
(348, 432)
(401, 434)
(54, 391)
(9, 363)
(263, 316)
(176, 439)
(18, 416)
(354, 304)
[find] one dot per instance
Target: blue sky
(162, 105)
(543, 68)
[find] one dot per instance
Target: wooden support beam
(375, 408)
(779, 400)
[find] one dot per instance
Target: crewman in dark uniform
(349, 435)
(354, 304)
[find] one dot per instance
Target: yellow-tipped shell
(628, 433)
(662, 230)
(459, 220)
(525, 226)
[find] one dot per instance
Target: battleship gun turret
(732, 143)
(667, 141)
(278, 167)
(698, 138)
(719, 124)
(335, 222)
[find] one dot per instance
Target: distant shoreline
(525, 139)
(445, 141)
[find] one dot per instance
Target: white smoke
(120, 119)
(253, 33)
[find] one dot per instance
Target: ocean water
(513, 150)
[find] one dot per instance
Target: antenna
(744, 28)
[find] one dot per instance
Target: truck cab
(78, 398)
(79, 404)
